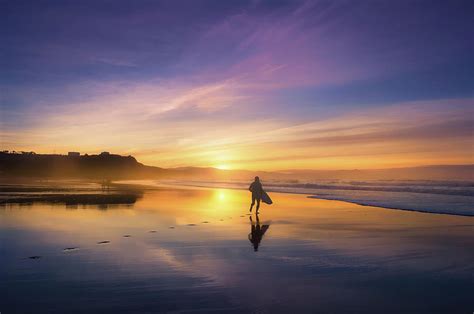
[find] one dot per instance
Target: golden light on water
(221, 195)
(158, 210)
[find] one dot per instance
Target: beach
(190, 249)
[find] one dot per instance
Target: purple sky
(241, 84)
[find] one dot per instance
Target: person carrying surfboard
(257, 191)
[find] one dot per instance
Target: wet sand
(195, 249)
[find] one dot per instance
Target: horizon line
(224, 170)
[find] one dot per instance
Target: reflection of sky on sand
(317, 255)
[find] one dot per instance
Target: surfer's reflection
(256, 232)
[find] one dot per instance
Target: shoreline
(388, 207)
(128, 191)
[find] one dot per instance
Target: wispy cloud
(421, 132)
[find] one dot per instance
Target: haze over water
(188, 250)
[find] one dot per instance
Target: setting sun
(223, 167)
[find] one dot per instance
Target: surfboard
(266, 199)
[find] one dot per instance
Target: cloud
(431, 131)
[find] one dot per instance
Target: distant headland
(109, 166)
(102, 166)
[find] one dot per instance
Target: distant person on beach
(257, 191)
(256, 233)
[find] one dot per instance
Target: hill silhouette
(102, 166)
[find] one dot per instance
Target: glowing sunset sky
(241, 84)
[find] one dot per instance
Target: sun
(223, 167)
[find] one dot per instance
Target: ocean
(440, 197)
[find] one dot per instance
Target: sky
(264, 85)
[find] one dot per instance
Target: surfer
(257, 191)
(256, 233)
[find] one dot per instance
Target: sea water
(442, 197)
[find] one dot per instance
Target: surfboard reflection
(257, 231)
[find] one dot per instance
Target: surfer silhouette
(256, 232)
(257, 191)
